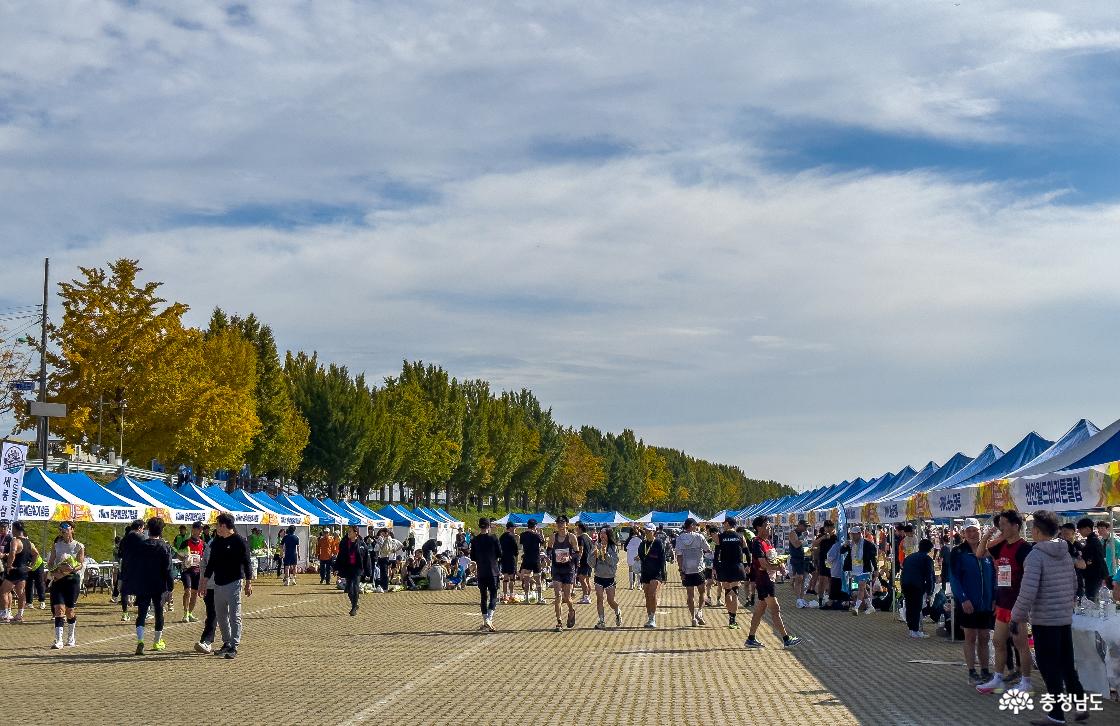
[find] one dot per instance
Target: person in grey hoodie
(604, 565)
(691, 548)
(1046, 600)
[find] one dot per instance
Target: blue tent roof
(1030, 447)
(822, 495)
(218, 496)
(450, 517)
(855, 495)
(363, 509)
(890, 483)
(982, 461)
(1077, 434)
(1106, 451)
(76, 486)
(300, 502)
(272, 505)
(428, 516)
(184, 510)
(399, 516)
(913, 484)
(600, 518)
(332, 506)
(957, 462)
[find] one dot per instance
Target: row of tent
(1078, 472)
(599, 519)
(76, 497)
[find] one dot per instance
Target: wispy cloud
(590, 200)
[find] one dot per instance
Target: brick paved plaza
(417, 658)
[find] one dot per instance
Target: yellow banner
(994, 496)
(871, 513)
(917, 506)
(72, 513)
(1110, 488)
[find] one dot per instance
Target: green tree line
(222, 397)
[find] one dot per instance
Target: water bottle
(1104, 602)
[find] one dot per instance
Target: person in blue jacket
(972, 579)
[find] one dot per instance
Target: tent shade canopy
(333, 507)
(601, 518)
(669, 518)
(217, 498)
(171, 505)
(1077, 434)
(82, 499)
(317, 515)
(521, 519)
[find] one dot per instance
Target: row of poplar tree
(222, 398)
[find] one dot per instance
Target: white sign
(13, 457)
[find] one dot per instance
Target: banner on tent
(1066, 491)
(950, 503)
(36, 512)
(248, 518)
(994, 496)
(891, 512)
(13, 456)
(162, 512)
(917, 507)
(73, 513)
(116, 514)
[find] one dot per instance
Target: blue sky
(815, 240)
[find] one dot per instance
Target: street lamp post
(100, 413)
(120, 453)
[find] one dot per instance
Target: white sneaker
(1023, 685)
(42, 605)
(869, 609)
(800, 603)
(812, 604)
(72, 641)
(57, 645)
(585, 600)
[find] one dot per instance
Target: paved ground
(418, 658)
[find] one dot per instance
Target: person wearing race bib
(65, 564)
(764, 560)
(531, 544)
(604, 563)
(692, 548)
(510, 550)
(711, 536)
(728, 564)
(565, 553)
(859, 558)
(1008, 551)
(796, 550)
(191, 555)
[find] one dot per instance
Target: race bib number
(857, 570)
(193, 560)
(1003, 576)
(563, 556)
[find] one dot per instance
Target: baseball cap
(65, 525)
(971, 522)
(4, 523)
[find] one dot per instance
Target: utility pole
(43, 433)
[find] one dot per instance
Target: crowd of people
(998, 590)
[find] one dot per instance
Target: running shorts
(585, 570)
(653, 578)
(64, 592)
(509, 567)
(692, 579)
(732, 573)
(604, 582)
(798, 567)
(190, 578)
(977, 620)
(764, 590)
(563, 577)
(533, 566)
(290, 562)
(1003, 615)
(707, 573)
(15, 576)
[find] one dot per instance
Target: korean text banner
(13, 456)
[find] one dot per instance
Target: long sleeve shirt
(229, 560)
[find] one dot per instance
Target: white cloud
(680, 286)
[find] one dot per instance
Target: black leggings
(211, 617)
(912, 596)
(143, 602)
(37, 584)
(1053, 652)
(354, 588)
(488, 592)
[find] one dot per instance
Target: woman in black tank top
(564, 552)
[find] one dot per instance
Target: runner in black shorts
(508, 542)
(728, 565)
(709, 560)
(691, 548)
(584, 570)
(531, 544)
(67, 559)
(763, 562)
(604, 563)
(565, 553)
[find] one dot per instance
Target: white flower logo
(1016, 702)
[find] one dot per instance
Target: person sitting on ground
(437, 575)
